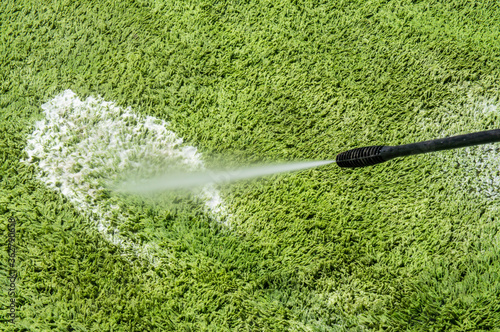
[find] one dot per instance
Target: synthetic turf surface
(411, 244)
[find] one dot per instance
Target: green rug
(93, 90)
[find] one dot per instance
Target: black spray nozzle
(371, 155)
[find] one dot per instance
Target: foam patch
(479, 165)
(80, 144)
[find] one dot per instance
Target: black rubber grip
(360, 157)
(371, 155)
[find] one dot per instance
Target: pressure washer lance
(372, 155)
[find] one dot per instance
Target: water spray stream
(185, 180)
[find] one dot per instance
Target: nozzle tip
(360, 157)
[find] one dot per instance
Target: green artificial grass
(410, 244)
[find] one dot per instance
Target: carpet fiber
(411, 244)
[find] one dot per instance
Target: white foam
(480, 165)
(80, 142)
